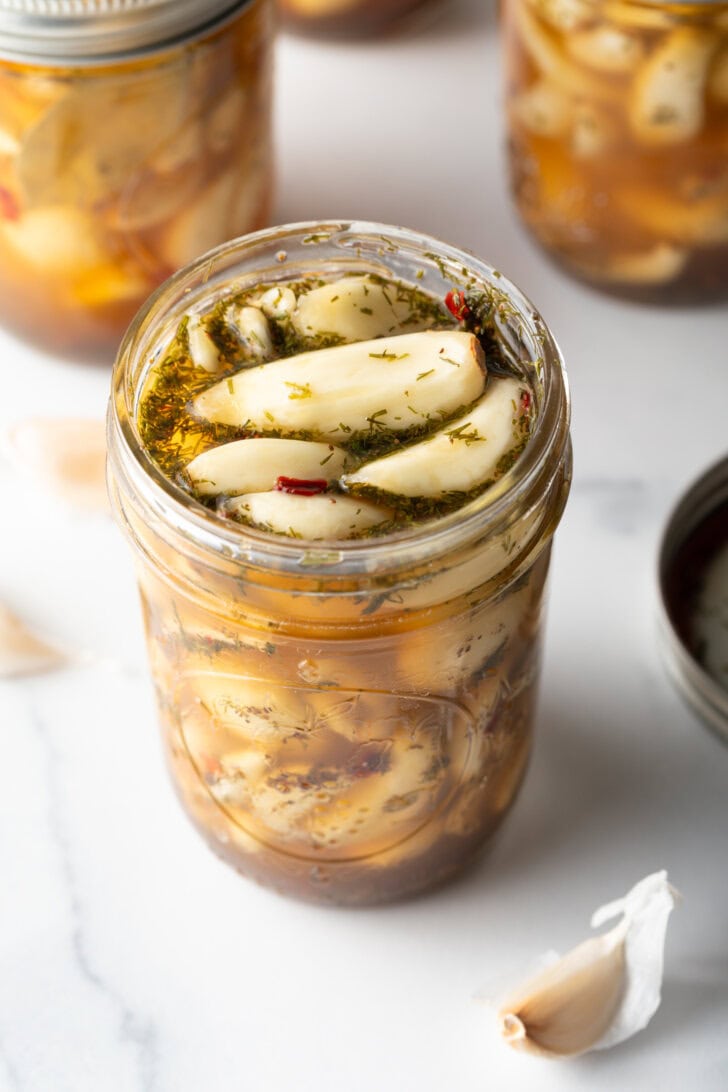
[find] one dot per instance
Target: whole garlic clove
(253, 465)
(667, 105)
(66, 454)
(393, 383)
(601, 992)
(203, 350)
(463, 454)
(21, 651)
(543, 109)
(325, 516)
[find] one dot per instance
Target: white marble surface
(131, 960)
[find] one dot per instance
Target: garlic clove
(354, 309)
(394, 383)
(252, 466)
(601, 992)
(323, 516)
(66, 454)
(463, 454)
(21, 652)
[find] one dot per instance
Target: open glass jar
(133, 137)
(345, 721)
(345, 18)
(618, 124)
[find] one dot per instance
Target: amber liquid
(361, 766)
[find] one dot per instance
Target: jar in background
(132, 138)
(346, 722)
(618, 133)
(345, 18)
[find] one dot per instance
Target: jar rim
(91, 32)
(128, 458)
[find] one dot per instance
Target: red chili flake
(9, 207)
(302, 487)
(525, 401)
(456, 305)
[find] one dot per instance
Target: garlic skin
(21, 652)
(601, 992)
(66, 455)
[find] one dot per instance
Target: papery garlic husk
(66, 454)
(604, 990)
(21, 651)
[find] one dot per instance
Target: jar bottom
(398, 874)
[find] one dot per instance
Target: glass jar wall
(618, 138)
(120, 161)
(348, 721)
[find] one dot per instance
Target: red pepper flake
(9, 207)
(302, 487)
(456, 305)
(525, 402)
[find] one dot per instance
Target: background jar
(346, 722)
(131, 139)
(345, 18)
(618, 127)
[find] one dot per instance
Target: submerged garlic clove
(668, 100)
(463, 454)
(354, 309)
(66, 454)
(253, 329)
(326, 515)
(203, 350)
(601, 992)
(21, 651)
(253, 465)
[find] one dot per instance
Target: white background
(131, 960)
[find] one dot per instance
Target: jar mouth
(90, 32)
(353, 245)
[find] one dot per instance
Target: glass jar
(133, 137)
(345, 723)
(618, 124)
(345, 18)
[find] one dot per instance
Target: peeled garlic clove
(601, 992)
(203, 224)
(278, 302)
(353, 309)
(693, 220)
(667, 104)
(321, 516)
(391, 383)
(550, 60)
(543, 109)
(9, 144)
(224, 123)
(592, 133)
(662, 263)
(606, 48)
(21, 652)
(203, 350)
(463, 454)
(55, 239)
(252, 466)
(565, 14)
(251, 326)
(68, 455)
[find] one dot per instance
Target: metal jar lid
(87, 31)
(693, 576)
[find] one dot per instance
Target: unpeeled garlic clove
(21, 651)
(66, 454)
(604, 990)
